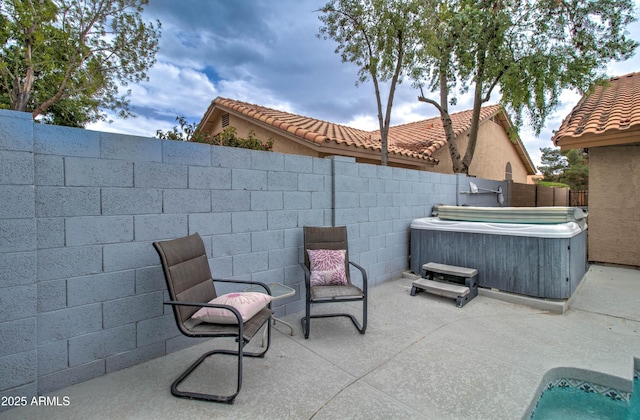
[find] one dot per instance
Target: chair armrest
(307, 279)
(257, 283)
(364, 275)
(307, 273)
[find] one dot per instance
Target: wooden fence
(579, 198)
(533, 195)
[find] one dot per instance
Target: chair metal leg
(305, 321)
(206, 397)
(353, 319)
(229, 399)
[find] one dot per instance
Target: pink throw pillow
(247, 303)
(327, 267)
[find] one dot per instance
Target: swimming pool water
(573, 403)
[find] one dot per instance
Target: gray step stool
(452, 287)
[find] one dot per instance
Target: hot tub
(538, 260)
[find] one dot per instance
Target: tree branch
(422, 98)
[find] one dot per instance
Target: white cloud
(364, 122)
(140, 126)
(243, 90)
(173, 90)
(406, 112)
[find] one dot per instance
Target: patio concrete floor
(421, 358)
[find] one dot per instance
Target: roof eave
(331, 147)
(208, 116)
(608, 138)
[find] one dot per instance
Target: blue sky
(266, 52)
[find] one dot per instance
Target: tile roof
(427, 136)
(417, 140)
(610, 109)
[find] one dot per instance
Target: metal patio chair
(190, 286)
(335, 239)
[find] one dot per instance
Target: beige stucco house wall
(614, 204)
(606, 122)
(494, 150)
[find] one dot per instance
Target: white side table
(278, 291)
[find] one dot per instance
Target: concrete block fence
(81, 288)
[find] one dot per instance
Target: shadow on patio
(421, 358)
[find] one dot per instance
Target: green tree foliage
(553, 164)
(185, 131)
(529, 50)
(379, 37)
(65, 60)
(570, 167)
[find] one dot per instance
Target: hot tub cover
(526, 215)
(549, 230)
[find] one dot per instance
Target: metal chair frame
(194, 246)
(331, 238)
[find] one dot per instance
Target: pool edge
(598, 381)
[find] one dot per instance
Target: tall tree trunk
(457, 163)
(478, 100)
(384, 130)
(473, 131)
(22, 91)
(22, 88)
(384, 153)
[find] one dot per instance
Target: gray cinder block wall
(81, 288)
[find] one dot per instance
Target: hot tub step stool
(453, 289)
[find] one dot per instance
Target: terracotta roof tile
(427, 136)
(609, 108)
(418, 139)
